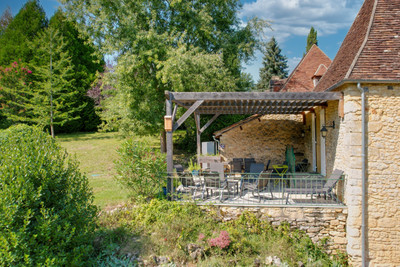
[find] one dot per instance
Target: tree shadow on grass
(82, 136)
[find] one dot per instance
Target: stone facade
(383, 170)
(267, 139)
(318, 223)
(264, 139)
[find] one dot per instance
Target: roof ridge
(319, 67)
(298, 65)
(351, 68)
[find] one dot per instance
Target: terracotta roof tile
(380, 57)
(300, 80)
(371, 49)
(320, 71)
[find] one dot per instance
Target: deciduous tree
(149, 36)
(5, 20)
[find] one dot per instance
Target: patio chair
(251, 181)
(237, 166)
(326, 189)
(192, 182)
(247, 164)
(213, 182)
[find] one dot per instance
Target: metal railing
(265, 189)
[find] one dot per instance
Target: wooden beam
(198, 136)
(174, 112)
(187, 114)
(193, 96)
(209, 122)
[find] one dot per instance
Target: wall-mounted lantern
(324, 131)
(168, 123)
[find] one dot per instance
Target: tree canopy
(29, 21)
(311, 39)
(167, 45)
(274, 64)
(5, 20)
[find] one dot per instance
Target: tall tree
(311, 39)
(29, 21)
(86, 62)
(5, 20)
(54, 94)
(148, 36)
(274, 64)
(15, 94)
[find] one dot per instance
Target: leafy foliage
(29, 21)
(46, 211)
(311, 39)
(54, 94)
(169, 228)
(86, 62)
(5, 20)
(140, 169)
(274, 64)
(203, 37)
(15, 94)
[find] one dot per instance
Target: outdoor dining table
(280, 169)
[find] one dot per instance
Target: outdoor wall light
(303, 133)
(324, 131)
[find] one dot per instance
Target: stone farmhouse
(357, 100)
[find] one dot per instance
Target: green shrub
(140, 169)
(46, 211)
(166, 228)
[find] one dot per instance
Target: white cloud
(295, 17)
(292, 63)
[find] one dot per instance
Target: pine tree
(86, 63)
(311, 39)
(274, 64)
(29, 21)
(54, 95)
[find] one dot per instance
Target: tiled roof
(320, 71)
(371, 49)
(276, 85)
(300, 80)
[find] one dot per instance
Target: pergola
(219, 103)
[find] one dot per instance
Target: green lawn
(96, 153)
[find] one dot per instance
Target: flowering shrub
(140, 169)
(15, 93)
(222, 241)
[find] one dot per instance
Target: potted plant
(194, 168)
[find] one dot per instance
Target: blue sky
(291, 21)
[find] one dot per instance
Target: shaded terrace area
(248, 103)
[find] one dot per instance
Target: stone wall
(264, 139)
(383, 170)
(318, 223)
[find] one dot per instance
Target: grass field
(96, 153)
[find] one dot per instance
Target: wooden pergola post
(198, 136)
(170, 147)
